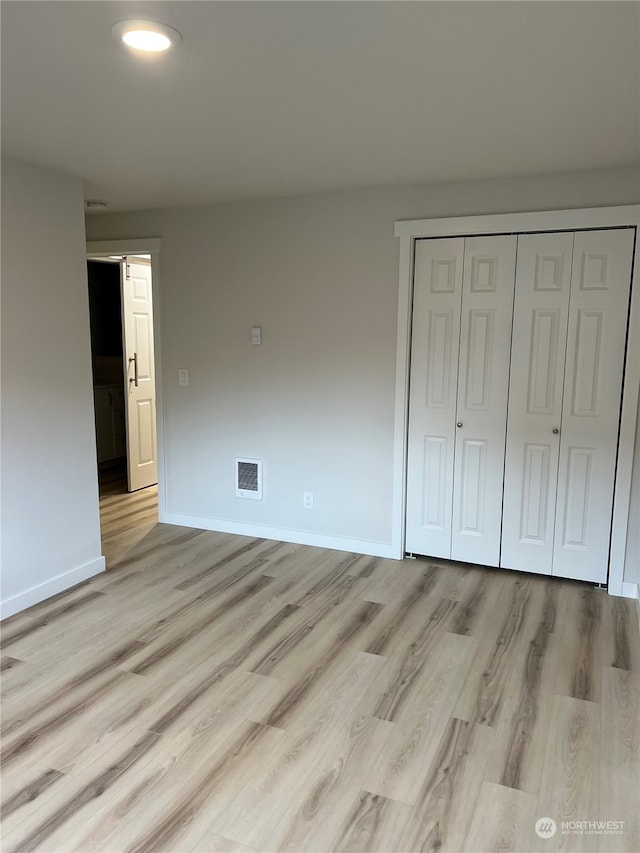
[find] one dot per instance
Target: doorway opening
(122, 354)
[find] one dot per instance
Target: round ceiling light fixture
(148, 36)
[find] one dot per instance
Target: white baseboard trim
(36, 594)
(283, 534)
(629, 590)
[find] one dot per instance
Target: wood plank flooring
(219, 693)
(124, 518)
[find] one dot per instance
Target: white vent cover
(249, 478)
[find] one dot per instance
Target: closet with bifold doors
(517, 360)
(461, 339)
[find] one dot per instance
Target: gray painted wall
(315, 402)
(50, 523)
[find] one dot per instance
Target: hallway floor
(125, 517)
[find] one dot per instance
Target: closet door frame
(521, 223)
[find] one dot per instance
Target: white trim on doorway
(145, 246)
(508, 223)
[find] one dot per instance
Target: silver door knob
(555, 430)
(459, 424)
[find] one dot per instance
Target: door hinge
(127, 269)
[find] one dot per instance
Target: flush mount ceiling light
(148, 36)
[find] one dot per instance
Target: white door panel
(591, 408)
(537, 487)
(432, 395)
(543, 281)
(143, 339)
(137, 311)
(483, 378)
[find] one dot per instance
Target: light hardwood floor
(124, 518)
(221, 693)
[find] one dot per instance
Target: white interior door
(435, 344)
(596, 341)
(140, 386)
(483, 382)
(543, 281)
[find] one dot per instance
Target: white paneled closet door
(461, 336)
(483, 381)
(435, 345)
(601, 278)
(569, 337)
(543, 281)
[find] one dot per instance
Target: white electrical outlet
(307, 500)
(183, 377)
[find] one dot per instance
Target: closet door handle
(555, 431)
(459, 424)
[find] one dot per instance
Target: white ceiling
(277, 98)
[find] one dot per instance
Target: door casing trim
(145, 246)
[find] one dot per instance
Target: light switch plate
(256, 336)
(183, 377)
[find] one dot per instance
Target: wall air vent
(249, 479)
